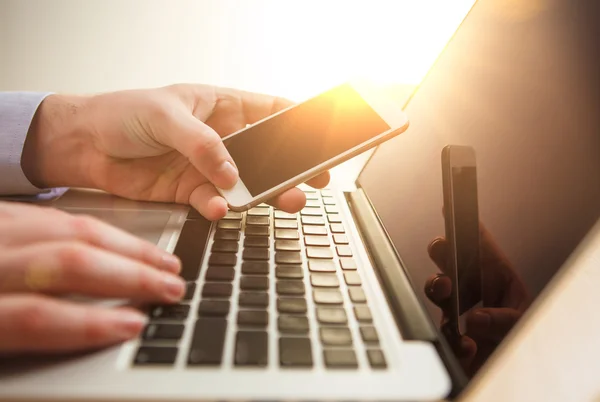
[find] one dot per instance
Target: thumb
(491, 323)
(203, 147)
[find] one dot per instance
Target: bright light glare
(300, 49)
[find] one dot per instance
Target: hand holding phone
(298, 143)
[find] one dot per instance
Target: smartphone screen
(303, 137)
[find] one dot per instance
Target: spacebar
(190, 247)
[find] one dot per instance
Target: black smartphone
(461, 214)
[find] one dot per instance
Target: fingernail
(171, 263)
(482, 320)
(228, 174)
(174, 286)
(130, 323)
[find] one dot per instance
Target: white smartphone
(302, 141)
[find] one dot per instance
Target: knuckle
(147, 281)
(86, 227)
(206, 145)
(72, 257)
(32, 316)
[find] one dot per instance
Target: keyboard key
(340, 358)
(294, 305)
(222, 259)
(369, 335)
(292, 324)
(225, 246)
(324, 280)
(332, 209)
(319, 252)
(155, 355)
(313, 220)
(233, 215)
(256, 231)
(170, 312)
(352, 278)
(190, 247)
(289, 272)
(327, 193)
(316, 240)
(328, 200)
(229, 225)
(290, 287)
(340, 239)
(321, 266)
(344, 251)
(376, 358)
(190, 288)
(251, 348)
(284, 215)
(287, 245)
(295, 352)
(220, 274)
(363, 314)
(334, 218)
(163, 331)
(336, 336)
(331, 315)
(312, 203)
(311, 211)
(255, 241)
(288, 257)
(348, 263)
(286, 234)
(215, 289)
(226, 235)
(312, 197)
(314, 230)
(208, 341)
(285, 224)
(254, 282)
(357, 295)
(259, 211)
(327, 296)
(337, 228)
(215, 308)
(254, 299)
(258, 220)
(255, 267)
(253, 318)
(256, 254)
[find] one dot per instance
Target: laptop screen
(519, 85)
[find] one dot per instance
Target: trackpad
(147, 224)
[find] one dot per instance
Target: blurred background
(289, 48)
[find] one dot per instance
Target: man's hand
(46, 252)
(158, 145)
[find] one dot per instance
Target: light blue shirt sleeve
(16, 113)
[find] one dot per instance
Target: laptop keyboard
(261, 257)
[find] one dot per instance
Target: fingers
(208, 202)
(292, 200)
(258, 106)
(438, 252)
(438, 289)
(203, 147)
(491, 323)
(320, 181)
(51, 227)
(35, 323)
(78, 268)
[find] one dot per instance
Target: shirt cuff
(16, 113)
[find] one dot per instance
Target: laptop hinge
(411, 316)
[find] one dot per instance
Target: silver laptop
(329, 304)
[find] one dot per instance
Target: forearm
(56, 151)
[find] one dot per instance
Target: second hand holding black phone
(300, 142)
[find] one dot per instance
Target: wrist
(55, 153)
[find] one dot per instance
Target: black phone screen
(466, 236)
(303, 137)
